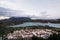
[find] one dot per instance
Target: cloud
(20, 13)
(10, 12)
(4, 17)
(41, 15)
(13, 13)
(30, 8)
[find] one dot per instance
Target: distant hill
(19, 20)
(6, 21)
(47, 20)
(14, 20)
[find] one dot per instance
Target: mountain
(19, 20)
(14, 20)
(9, 17)
(47, 20)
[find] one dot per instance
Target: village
(29, 33)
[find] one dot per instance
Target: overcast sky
(33, 8)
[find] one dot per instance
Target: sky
(45, 9)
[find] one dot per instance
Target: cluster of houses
(28, 33)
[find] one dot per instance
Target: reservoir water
(36, 24)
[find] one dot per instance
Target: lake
(36, 24)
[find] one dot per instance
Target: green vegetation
(6, 30)
(37, 38)
(52, 37)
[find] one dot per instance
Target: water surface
(36, 24)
